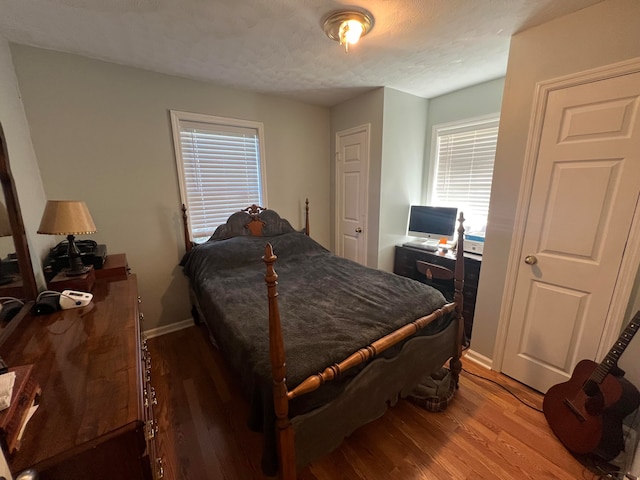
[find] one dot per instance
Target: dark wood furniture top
(115, 267)
(407, 263)
(83, 283)
(88, 363)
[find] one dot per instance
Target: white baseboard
(173, 327)
(479, 359)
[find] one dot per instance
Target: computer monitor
(432, 223)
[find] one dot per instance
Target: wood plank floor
(484, 434)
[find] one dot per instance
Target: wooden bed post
(306, 217)
(188, 244)
(284, 430)
(455, 364)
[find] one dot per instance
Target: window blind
(221, 172)
(464, 170)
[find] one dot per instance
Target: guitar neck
(616, 351)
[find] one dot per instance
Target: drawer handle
(139, 299)
(141, 316)
(152, 429)
(160, 470)
(154, 398)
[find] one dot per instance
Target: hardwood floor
(484, 434)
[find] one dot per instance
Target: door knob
(358, 230)
(530, 260)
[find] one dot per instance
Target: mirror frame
(19, 236)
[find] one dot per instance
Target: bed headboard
(254, 220)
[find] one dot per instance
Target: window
(464, 153)
(220, 166)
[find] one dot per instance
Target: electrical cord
(10, 299)
(533, 407)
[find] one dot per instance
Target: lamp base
(76, 267)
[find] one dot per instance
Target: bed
(331, 346)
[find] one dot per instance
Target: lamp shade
(5, 226)
(66, 217)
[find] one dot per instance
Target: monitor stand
(430, 244)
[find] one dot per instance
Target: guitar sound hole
(595, 401)
(590, 388)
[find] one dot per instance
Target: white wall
(102, 134)
(599, 35)
(398, 125)
(22, 160)
(475, 101)
(401, 130)
(363, 109)
(403, 158)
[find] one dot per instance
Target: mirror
(23, 283)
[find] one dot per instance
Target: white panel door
(585, 190)
(352, 161)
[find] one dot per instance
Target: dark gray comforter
(329, 307)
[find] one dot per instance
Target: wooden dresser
(95, 418)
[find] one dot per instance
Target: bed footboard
(389, 380)
(369, 395)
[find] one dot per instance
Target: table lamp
(68, 217)
(5, 231)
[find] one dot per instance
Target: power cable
(533, 407)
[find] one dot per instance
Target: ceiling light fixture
(348, 26)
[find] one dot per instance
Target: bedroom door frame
(360, 230)
(631, 255)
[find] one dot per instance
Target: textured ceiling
(423, 47)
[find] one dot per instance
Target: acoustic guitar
(586, 413)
